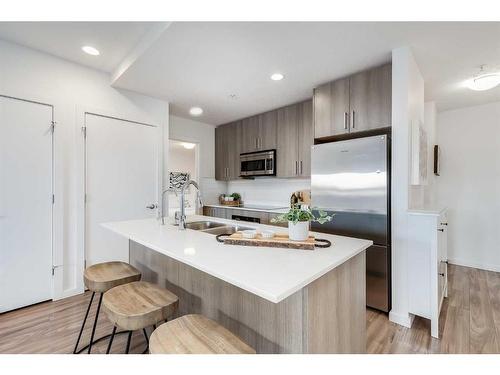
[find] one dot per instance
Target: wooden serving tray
(230, 203)
(279, 240)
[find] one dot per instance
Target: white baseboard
(481, 266)
(69, 293)
(405, 320)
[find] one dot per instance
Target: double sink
(215, 228)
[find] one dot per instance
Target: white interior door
(25, 203)
(121, 181)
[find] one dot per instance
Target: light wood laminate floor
(469, 323)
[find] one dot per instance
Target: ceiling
(114, 40)
(203, 63)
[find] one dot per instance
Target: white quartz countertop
(271, 273)
(277, 209)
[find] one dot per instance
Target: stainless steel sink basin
(227, 229)
(215, 228)
(203, 225)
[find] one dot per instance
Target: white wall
(203, 135)
(407, 105)
(269, 191)
(70, 87)
(469, 183)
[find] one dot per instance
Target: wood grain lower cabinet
(427, 266)
(215, 212)
(326, 316)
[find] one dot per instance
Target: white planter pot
(299, 231)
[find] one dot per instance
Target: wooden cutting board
(279, 240)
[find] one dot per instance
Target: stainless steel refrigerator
(351, 178)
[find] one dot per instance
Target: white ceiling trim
(146, 41)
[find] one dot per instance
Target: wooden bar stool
(99, 278)
(138, 305)
(195, 334)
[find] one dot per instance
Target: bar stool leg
(111, 340)
(83, 324)
(128, 341)
(95, 323)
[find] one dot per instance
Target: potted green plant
(236, 196)
(299, 218)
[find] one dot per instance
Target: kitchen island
(276, 300)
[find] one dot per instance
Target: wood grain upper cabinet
(356, 103)
(294, 140)
(258, 132)
(220, 157)
(371, 99)
(287, 145)
(227, 166)
(248, 134)
(267, 137)
(331, 108)
(305, 138)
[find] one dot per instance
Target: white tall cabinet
(427, 264)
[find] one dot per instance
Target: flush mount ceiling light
(195, 111)
(277, 76)
(188, 146)
(483, 80)
(91, 50)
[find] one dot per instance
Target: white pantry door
(121, 181)
(25, 203)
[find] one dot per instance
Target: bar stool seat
(195, 334)
(138, 305)
(102, 277)
(99, 278)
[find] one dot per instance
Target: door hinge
(53, 199)
(52, 126)
(85, 198)
(84, 131)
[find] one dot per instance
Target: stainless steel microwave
(261, 163)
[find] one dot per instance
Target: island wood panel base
(327, 316)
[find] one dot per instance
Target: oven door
(258, 164)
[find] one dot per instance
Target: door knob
(152, 206)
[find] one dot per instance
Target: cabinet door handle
(346, 119)
(353, 119)
(296, 167)
(301, 167)
(256, 142)
(441, 230)
(444, 223)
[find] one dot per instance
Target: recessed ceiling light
(90, 50)
(195, 111)
(188, 146)
(483, 80)
(277, 77)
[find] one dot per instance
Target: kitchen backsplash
(271, 191)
